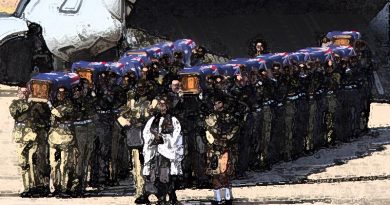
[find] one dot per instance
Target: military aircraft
(32, 32)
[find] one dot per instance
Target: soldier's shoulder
(14, 102)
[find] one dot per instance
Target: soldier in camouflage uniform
(242, 92)
(102, 149)
(221, 128)
(62, 144)
(188, 110)
(344, 106)
(360, 79)
(85, 131)
(129, 83)
(278, 143)
(117, 140)
(266, 118)
(133, 118)
(256, 109)
(312, 120)
(294, 107)
(26, 139)
(40, 116)
(332, 81)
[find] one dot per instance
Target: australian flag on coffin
(89, 70)
(185, 46)
(44, 86)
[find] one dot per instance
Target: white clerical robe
(171, 149)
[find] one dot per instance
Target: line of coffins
(279, 128)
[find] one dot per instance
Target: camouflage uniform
(348, 98)
(85, 133)
(332, 81)
(188, 111)
(241, 94)
(267, 125)
(257, 113)
(133, 118)
(314, 138)
(24, 136)
(118, 139)
(295, 110)
(104, 125)
(279, 144)
(62, 146)
(40, 116)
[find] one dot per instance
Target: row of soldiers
(75, 139)
(292, 109)
(277, 113)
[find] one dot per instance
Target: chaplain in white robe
(172, 148)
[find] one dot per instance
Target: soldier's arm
(13, 109)
(233, 133)
(153, 106)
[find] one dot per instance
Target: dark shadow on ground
(296, 171)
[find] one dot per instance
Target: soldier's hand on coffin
(55, 112)
(123, 121)
(180, 93)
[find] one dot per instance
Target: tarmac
(357, 172)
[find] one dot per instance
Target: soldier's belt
(294, 97)
(103, 111)
(319, 92)
(63, 124)
(83, 122)
(269, 102)
(330, 92)
(20, 124)
(350, 86)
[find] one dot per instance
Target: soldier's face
(141, 90)
(259, 47)
(61, 96)
(76, 94)
(175, 86)
(112, 80)
(218, 105)
(22, 93)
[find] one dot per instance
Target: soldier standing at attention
(242, 92)
(40, 117)
(104, 103)
(85, 129)
(62, 144)
(332, 82)
(133, 118)
(221, 128)
(267, 115)
(24, 136)
(119, 99)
